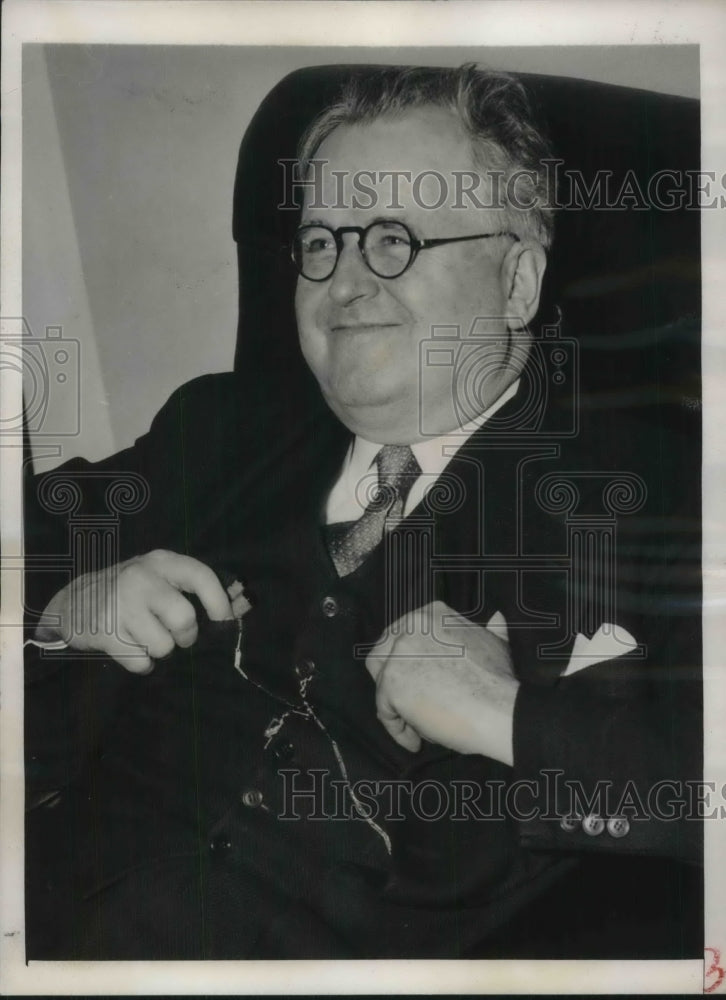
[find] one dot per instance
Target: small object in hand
(240, 603)
(240, 607)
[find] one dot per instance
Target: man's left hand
(463, 699)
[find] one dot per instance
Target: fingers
(124, 649)
(176, 614)
(151, 631)
(154, 612)
(240, 604)
(193, 576)
(406, 737)
(135, 611)
(396, 727)
(147, 631)
(409, 739)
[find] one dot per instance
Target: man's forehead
(411, 163)
(421, 138)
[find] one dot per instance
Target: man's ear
(522, 272)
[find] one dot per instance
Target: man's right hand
(135, 611)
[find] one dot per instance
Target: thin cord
(277, 723)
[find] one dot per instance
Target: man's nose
(352, 278)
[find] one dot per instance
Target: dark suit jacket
(168, 841)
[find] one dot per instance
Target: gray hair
(494, 110)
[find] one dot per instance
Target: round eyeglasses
(388, 248)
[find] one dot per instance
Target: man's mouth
(367, 327)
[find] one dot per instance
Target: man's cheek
(309, 345)
(308, 348)
(325, 358)
(305, 306)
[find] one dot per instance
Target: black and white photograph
(362, 540)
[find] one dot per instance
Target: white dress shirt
(359, 475)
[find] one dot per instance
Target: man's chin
(358, 392)
(361, 410)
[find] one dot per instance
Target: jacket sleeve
(83, 516)
(614, 748)
(614, 772)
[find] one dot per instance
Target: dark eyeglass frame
(416, 245)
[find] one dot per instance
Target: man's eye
(318, 244)
(389, 237)
(393, 240)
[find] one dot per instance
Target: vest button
(282, 750)
(329, 607)
(305, 669)
(220, 843)
(252, 798)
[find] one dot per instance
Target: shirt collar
(433, 454)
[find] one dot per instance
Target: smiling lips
(361, 327)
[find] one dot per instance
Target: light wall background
(129, 156)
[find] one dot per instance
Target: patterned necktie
(350, 542)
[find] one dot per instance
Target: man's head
(448, 154)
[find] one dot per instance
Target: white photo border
(404, 24)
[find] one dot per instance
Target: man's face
(362, 335)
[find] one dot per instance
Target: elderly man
(378, 649)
